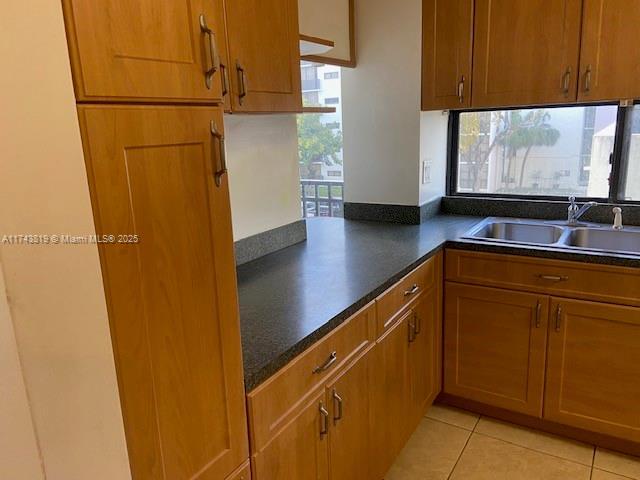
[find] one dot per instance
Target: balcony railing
(322, 198)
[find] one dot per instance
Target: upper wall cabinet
(145, 50)
(264, 55)
(447, 27)
(525, 52)
(609, 60)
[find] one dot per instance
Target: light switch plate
(426, 171)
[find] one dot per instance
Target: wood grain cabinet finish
(525, 52)
(300, 448)
(264, 55)
(145, 50)
(243, 473)
(351, 416)
(447, 39)
(391, 393)
(424, 354)
(495, 346)
(593, 367)
(171, 295)
(609, 60)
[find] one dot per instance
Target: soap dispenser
(617, 219)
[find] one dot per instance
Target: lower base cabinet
(593, 372)
(300, 449)
(344, 408)
(573, 363)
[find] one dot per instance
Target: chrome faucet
(574, 213)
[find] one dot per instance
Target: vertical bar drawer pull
(242, 80)
(417, 324)
(538, 312)
(566, 81)
(225, 79)
(213, 52)
(558, 317)
(461, 90)
(222, 153)
(337, 406)
(587, 79)
(324, 420)
(328, 362)
(412, 329)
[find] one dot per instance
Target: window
(588, 151)
(320, 143)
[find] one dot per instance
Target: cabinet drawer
(396, 298)
(556, 277)
(274, 403)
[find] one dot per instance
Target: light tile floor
(459, 445)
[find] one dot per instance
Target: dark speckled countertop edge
(259, 376)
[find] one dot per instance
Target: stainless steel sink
(520, 232)
(604, 239)
(593, 237)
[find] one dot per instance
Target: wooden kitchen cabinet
(391, 394)
(609, 62)
(424, 354)
(447, 40)
(264, 55)
(170, 284)
(351, 415)
(145, 51)
(300, 448)
(593, 367)
(525, 52)
(495, 346)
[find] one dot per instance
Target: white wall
(56, 294)
(19, 455)
(264, 178)
(433, 151)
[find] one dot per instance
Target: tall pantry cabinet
(151, 79)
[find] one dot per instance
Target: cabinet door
(609, 64)
(525, 52)
(350, 443)
(447, 27)
(425, 377)
(300, 449)
(264, 53)
(593, 367)
(391, 395)
(171, 292)
(495, 346)
(145, 50)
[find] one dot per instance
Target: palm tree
(526, 132)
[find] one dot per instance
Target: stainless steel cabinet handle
(587, 79)
(558, 317)
(324, 420)
(222, 153)
(213, 51)
(328, 362)
(566, 80)
(414, 288)
(417, 325)
(242, 81)
(461, 90)
(225, 79)
(412, 329)
(337, 407)
(538, 312)
(554, 278)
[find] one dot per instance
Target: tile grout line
(593, 460)
(449, 424)
(460, 456)
(532, 449)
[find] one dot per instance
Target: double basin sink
(592, 237)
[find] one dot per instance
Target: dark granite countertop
(292, 298)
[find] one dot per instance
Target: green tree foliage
(317, 142)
